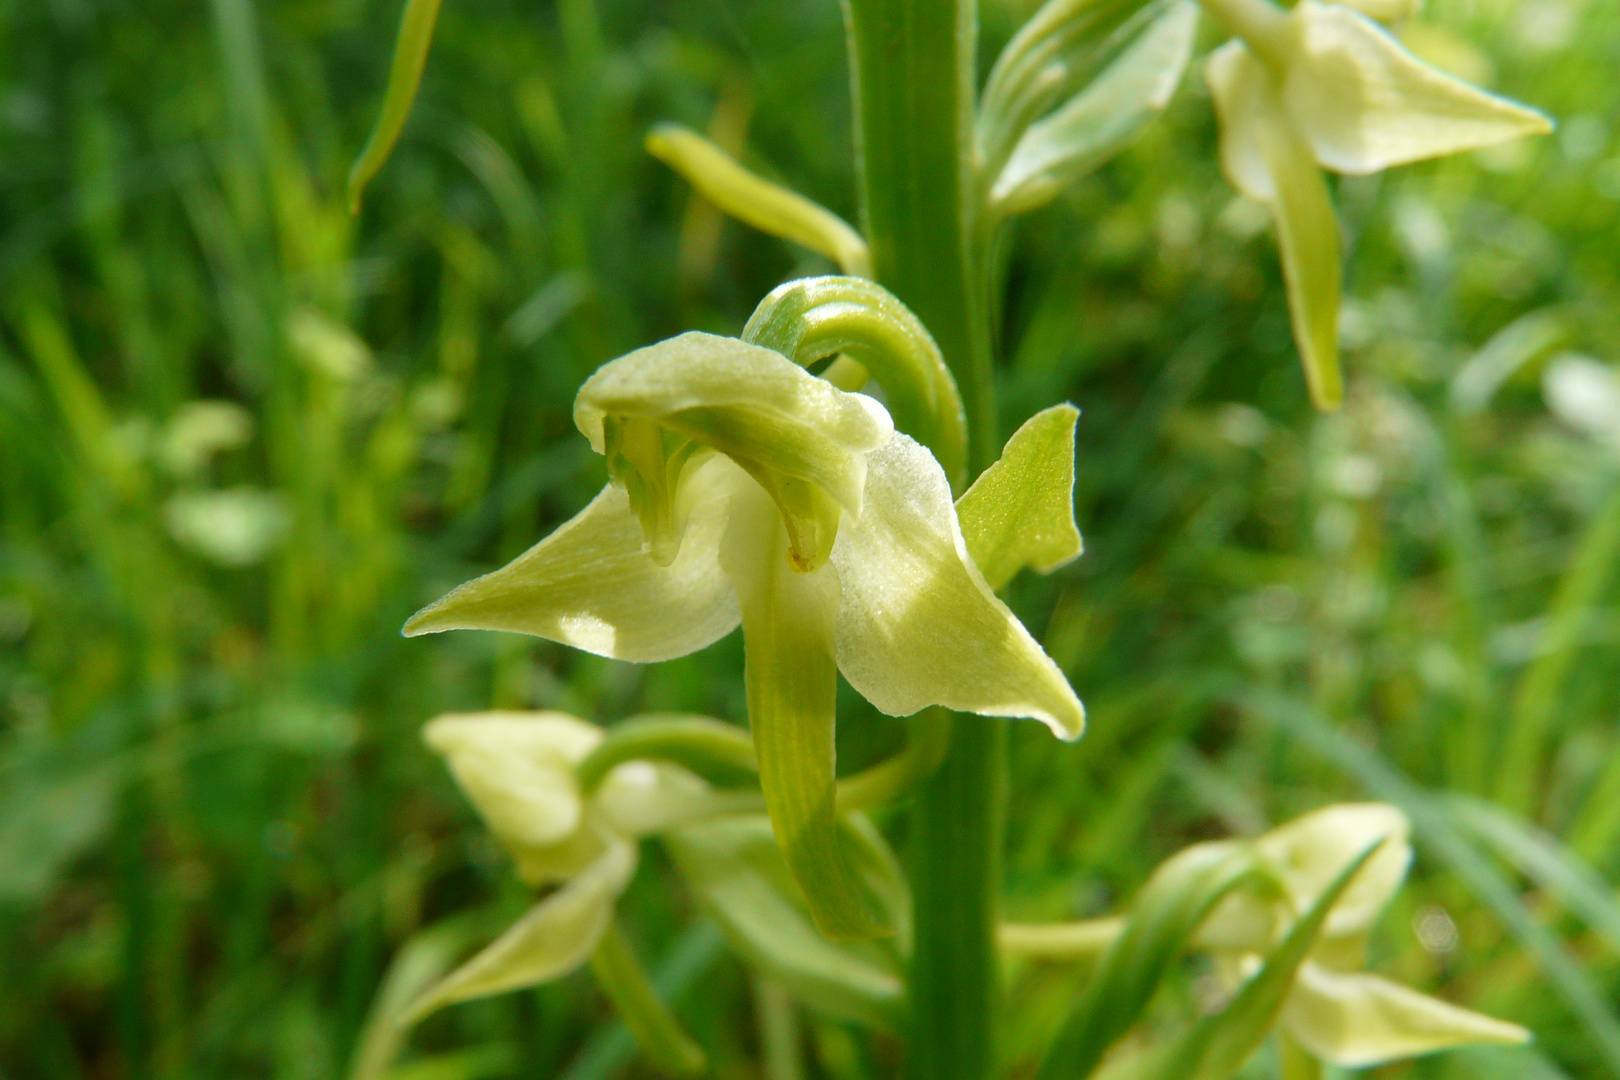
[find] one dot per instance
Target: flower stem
(912, 64)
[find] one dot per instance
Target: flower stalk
(912, 67)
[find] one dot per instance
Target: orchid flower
(1323, 86)
(1336, 1012)
(519, 771)
(747, 491)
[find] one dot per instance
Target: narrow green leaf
(1164, 915)
(1544, 859)
(88, 418)
(476, 1063)
(1020, 511)
(420, 961)
(768, 207)
(687, 961)
(736, 870)
(1218, 1045)
(556, 936)
(404, 76)
(1536, 705)
(1102, 119)
(1518, 346)
(668, 1049)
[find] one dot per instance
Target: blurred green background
(243, 435)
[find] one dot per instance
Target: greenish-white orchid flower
(1323, 86)
(1335, 1011)
(519, 771)
(747, 491)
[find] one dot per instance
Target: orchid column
(912, 69)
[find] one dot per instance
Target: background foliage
(217, 824)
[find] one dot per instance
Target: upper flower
(747, 491)
(1337, 1012)
(1324, 86)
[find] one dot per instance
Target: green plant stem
(912, 66)
(913, 73)
(669, 1049)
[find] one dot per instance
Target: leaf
(1102, 119)
(1518, 346)
(404, 76)
(1172, 904)
(1020, 511)
(419, 962)
(555, 937)
(736, 870)
(1544, 859)
(1218, 1045)
(768, 207)
(48, 820)
(667, 1047)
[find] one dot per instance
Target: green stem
(956, 876)
(913, 75)
(912, 66)
(668, 1048)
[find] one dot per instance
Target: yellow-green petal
(1310, 851)
(792, 686)
(1362, 102)
(1308, 239)
(555, 937)
(1359, 1020)
(917, 623)
(518, 769)
(1385, 11)
(1243, 94)
(592, 584)
(1020, 511)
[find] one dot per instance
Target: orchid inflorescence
(810, 481)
